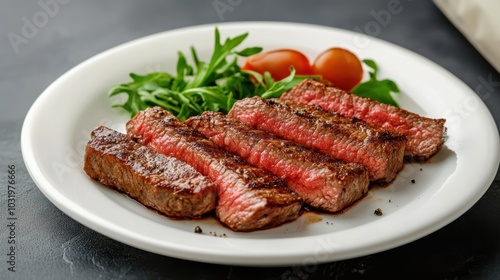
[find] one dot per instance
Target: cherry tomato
(340, 67)
(278, 63)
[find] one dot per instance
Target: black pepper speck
(198, 229)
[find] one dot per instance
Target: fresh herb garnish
(213, 86)
(379, 90)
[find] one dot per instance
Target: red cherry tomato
(340, 67)
(278, 63)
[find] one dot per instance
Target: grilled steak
(322, 182)
(425, 136)
(343, 138)
(160, 182)
(249, 198)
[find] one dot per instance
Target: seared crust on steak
(350, 140)
(425, 136)
(249, 198)
(160, 182)
(321, 181)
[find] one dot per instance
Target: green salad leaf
(214, 85)
(379, 90)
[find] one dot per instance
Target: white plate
(57, 127)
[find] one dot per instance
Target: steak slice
(343, 138)
(155, 180)
(321, 181)
(425, 136)
(249, 198)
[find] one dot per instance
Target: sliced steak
(346, 139)
(160, 182)
(425, 136)
(343, 138)
(320, 180)
(249, 198)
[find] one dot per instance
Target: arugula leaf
(149, 82)
(379, 90)
(276, 89)
(218, 63)
(249, 51)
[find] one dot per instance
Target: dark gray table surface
(50, 245)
